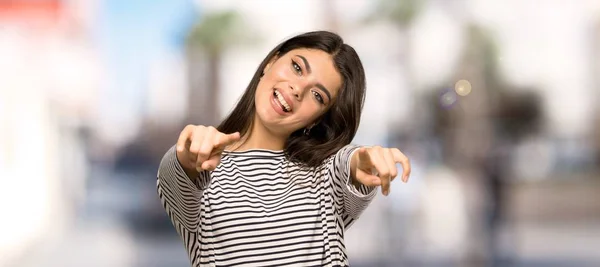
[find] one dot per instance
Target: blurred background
(494, 102)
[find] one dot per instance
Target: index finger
(403, 160)
(227, 139)
(183, 138)
(363, 157)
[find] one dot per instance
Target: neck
(260, 137)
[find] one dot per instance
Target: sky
(131, 36)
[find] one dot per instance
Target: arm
(184, 172)
(179, 193)
(360, 170)
(353, 197)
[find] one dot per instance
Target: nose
(297, 90)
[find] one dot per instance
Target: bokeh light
(462, 87)
(448, 98)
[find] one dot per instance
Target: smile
(281, 100)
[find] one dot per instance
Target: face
(295, 90)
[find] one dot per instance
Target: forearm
(354, 195)
(179, 192)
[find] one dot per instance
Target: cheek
(280, 72)
(270, 79)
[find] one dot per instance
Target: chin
(272, 123)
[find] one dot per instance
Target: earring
(306, 131)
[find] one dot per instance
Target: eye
(296, 67)
(318, 97)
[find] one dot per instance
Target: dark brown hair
(338, 126)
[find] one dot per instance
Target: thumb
(227, 139)
(367, 178)
(212, 162)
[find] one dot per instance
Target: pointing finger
(364, 157)
(184, 137)
(207, 146)
(196, 138)
(227, 139)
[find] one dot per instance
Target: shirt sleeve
(180, 195)
(353, 200)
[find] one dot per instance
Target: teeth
(282, 101)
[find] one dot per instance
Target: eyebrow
(319, 85)
(305, 63)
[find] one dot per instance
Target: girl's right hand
(199, 148)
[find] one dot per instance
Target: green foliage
(400, 12)
(220, 30)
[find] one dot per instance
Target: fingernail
(206, 166)
(179, 149)
(405, 179)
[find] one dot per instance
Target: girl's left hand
(375, 166)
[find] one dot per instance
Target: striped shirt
(259, 209)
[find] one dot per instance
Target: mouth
(281, 101)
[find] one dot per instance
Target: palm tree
(210, 38)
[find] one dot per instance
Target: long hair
(338, 126)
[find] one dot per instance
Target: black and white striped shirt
(259, 209)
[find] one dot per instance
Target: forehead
(322, 67)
